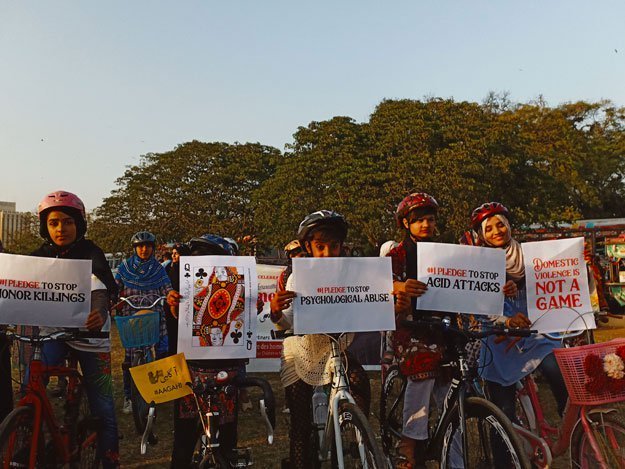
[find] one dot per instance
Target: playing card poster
(218, 307)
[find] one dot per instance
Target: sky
(86, 88)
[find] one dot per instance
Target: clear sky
(86, 87)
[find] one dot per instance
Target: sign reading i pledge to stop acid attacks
(217, 317)
(342, 294)
(40, 291)
(462, 279)
(557, 285)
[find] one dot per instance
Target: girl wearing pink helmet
(63, 224)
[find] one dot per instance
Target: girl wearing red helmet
(506, 365)
(62, 223)
(416, 215)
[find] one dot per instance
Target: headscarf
(515, 268)
(142, 275)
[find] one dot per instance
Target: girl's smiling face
(496, 233)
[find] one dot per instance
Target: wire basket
(571, 361)
(139, 330)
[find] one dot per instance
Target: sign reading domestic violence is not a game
(557, 285)
(342, 294)
(463, 279)
(38, 291)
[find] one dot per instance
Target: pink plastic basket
(571, 361)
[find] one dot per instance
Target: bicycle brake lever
(148, 428)
(263, 413)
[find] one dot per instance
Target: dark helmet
(321, 218)
(212, 241)
(65, 202)
(143, 237)
(414, 201)
(234, 244)
(485, 211)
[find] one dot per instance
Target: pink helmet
(60, 200)
(485, 211)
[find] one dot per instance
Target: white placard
(342, 294)
(461, 279)
(557, 285)
(41, 291)
(218, 308)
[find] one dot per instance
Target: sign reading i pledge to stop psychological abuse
(462, 279)
(218, 308)
(557, 285)
(342, 294)
(40, 291)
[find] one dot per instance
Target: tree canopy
(547, 164)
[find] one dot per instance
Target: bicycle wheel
(140, 408)
(84, 432)
(491, 439)
(391, 407)
(212, 460)
(609, 431)
(16, 434)
(360, 449)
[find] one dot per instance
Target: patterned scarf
(515, 269)
(142, 275)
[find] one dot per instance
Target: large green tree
(195, 188)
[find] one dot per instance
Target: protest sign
(557, 285)
(342, 294)
(266, 347)
(217, 316)
(461, 279)
(162, 380)
(40, 291)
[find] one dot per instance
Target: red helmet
(414, 201)
(59, 200)
(485, 211)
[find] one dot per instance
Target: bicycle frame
(43, 413)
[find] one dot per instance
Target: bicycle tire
(360, 448)
(214, 460)
(16, 434)
(609, 431)
(492, 440)
(84, 433)
(391, 407)
(140, 408)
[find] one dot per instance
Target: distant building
(12, 223)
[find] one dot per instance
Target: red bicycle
(32, 435)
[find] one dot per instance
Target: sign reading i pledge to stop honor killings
(462, 279)
(39, 291)
(342, 294)
(557, 285)
(218, 308)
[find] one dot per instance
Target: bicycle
(468, 427)
(594, 435)
(344, 436)
(139, 333)
(31, 436)
(207, 395)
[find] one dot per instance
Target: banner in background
(343, 294)
(266, 347)
(557, 285)
(461, 279)
(40, 291)
(218, 308)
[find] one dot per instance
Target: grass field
(251, 427)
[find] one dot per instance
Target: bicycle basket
(139, 330)
(585, 386)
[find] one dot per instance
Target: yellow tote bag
(163, 380)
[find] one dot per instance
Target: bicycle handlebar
(142, 304)
(446, 326)
(66, 335)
